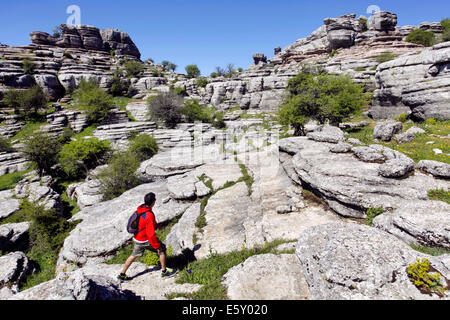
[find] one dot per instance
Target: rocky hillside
(249, 212)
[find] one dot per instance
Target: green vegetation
(118, 87)
(334, 53)
(425, 278)
(26, 102)
(360, 69)
(363, 23)
(93, 100)
(47, 232)
(201, 82)
(322, 97)
(42, 151)
(192, 71)
(133, 68)
(386, 56)
(10, 180)
(422, 37)
(180, 91)
(119, 176)
(143, 147)
(28, 66)
(169, 65)
(440, 195)
(194, 111)
(209, 272)
(5, 145)
(429, 250)
(445, 29)
(78, 156)
(422, 148)
(372, 213)
(166, 107)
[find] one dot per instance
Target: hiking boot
(123, 277)
(168, 273)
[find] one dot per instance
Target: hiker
(146, 239)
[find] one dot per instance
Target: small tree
(143, 147)
(119, 176)
(196, 112)
(322, 97)
(422, 37)
(28, 66)
(166, 107)
(78, 156)
(94, 100)
(26, 102)
(42, 150)
(192, 71)
(445, 29)
(133, 68)
(172, 67)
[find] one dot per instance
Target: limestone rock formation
(255, 280)
(418, 83)
(14, 236)
(357, 262)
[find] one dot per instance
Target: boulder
(77, 286)
(13, 268)
(14, 236)
(382, 21)
(436, 168)
(421, 222)
(8, 204)
(327, 133)
(181, 236)
(255, 280)
(396, 168)
(348, 261)
(350, 186)
(386, 130)
(120, 42)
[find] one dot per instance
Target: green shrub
(386, 56)
(218, 121)
(445, 29)
(42, 150)
(359, 69)
(28, 66)
(202, 82)
(420, 274)
(67, 55)
(363, 24)
(321, 97)
(93, 100)
(422, 37)
(402, 118)
(133, 68)
(5, 145)
(180, 91)
(213, 75)
(119, 176)
(47, 233)
(143, 147)
(372, 213)
(192, 71)
(118, 87)
(77, 157)
(166, 107)
(26, 102)
(334, 53)
(196, 112)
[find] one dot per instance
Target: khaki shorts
(139, 249)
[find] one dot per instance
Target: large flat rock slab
(348, 261)
(267, 277)
(349, 185)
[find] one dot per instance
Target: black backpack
(133, 223)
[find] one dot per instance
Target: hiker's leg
(162, 259)
(128, 263)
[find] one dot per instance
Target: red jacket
(148, 222)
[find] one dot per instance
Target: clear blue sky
(208, 33)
